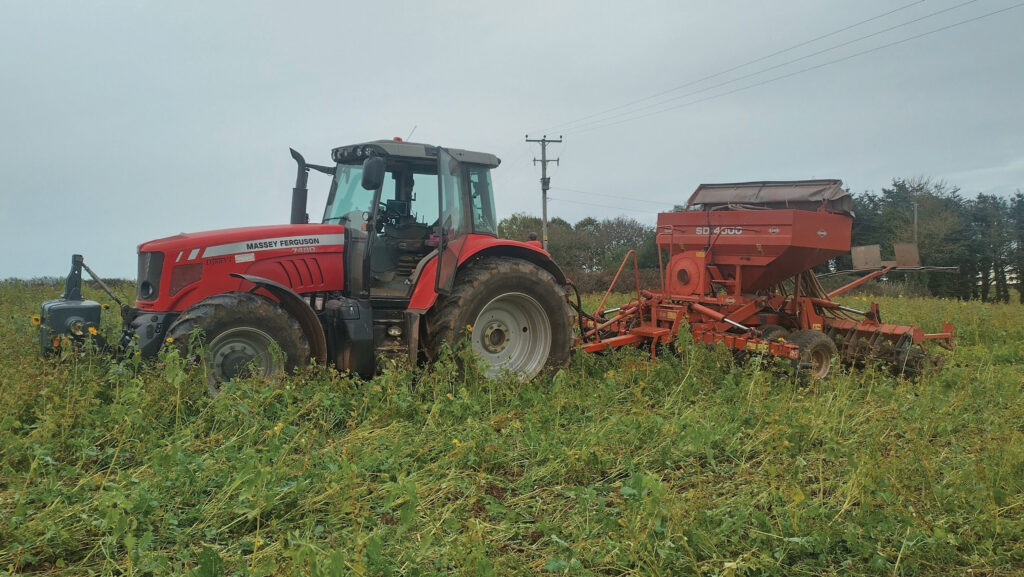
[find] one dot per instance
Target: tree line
(983, 235)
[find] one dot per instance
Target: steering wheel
(382, 217)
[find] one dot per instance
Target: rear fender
(424, 295)
(299, 309)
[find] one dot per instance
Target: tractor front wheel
(514, 313)
(242, 331)
(816, 352)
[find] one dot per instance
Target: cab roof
(354, 153)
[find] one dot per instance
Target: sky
(124, 122)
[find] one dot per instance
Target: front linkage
(71, 319)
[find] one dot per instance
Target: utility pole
(545, 182)
(915, 223)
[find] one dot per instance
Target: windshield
(348, 200)
(408, 196)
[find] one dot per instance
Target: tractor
(405, 259)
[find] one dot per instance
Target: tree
(589, 245)
(1017, 239)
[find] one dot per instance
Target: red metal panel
(424, 296)
(306, 258)
(769, 245)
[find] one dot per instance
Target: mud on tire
(240, 330)
(518, 314)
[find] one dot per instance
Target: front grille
(150, 265)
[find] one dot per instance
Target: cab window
(482, 198)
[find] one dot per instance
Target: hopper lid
(800, 194)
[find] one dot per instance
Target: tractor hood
(251, 239)
(178, 271)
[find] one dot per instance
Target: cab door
(452, 224)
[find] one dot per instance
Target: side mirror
(373, 172)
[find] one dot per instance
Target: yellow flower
(93, 331)
(37, 320)
(899, 296)
(450, 397)
(277, 428)
(469, 328)
(169, 340)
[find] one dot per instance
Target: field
(689, 465)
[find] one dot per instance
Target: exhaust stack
(300, 192)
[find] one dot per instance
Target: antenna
(410, 132)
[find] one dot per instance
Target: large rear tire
(816, 353)
(514, 313)
(241, 330)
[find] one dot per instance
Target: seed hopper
(737, 269)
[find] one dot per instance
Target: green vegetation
(689, 465)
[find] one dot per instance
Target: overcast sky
(127, 121)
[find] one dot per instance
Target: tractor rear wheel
(514, 313)
(241, 330)
(816, 352)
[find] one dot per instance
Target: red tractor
(405, 258)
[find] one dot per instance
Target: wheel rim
(232, 351)
(512, 332)
(820, 359)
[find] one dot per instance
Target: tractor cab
(428, 201)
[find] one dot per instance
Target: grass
(617, 465)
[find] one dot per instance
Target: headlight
(77, 327)
(146, 290)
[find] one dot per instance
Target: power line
(596, 126)
(734, 68)
(773, 67)
(619, 196)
